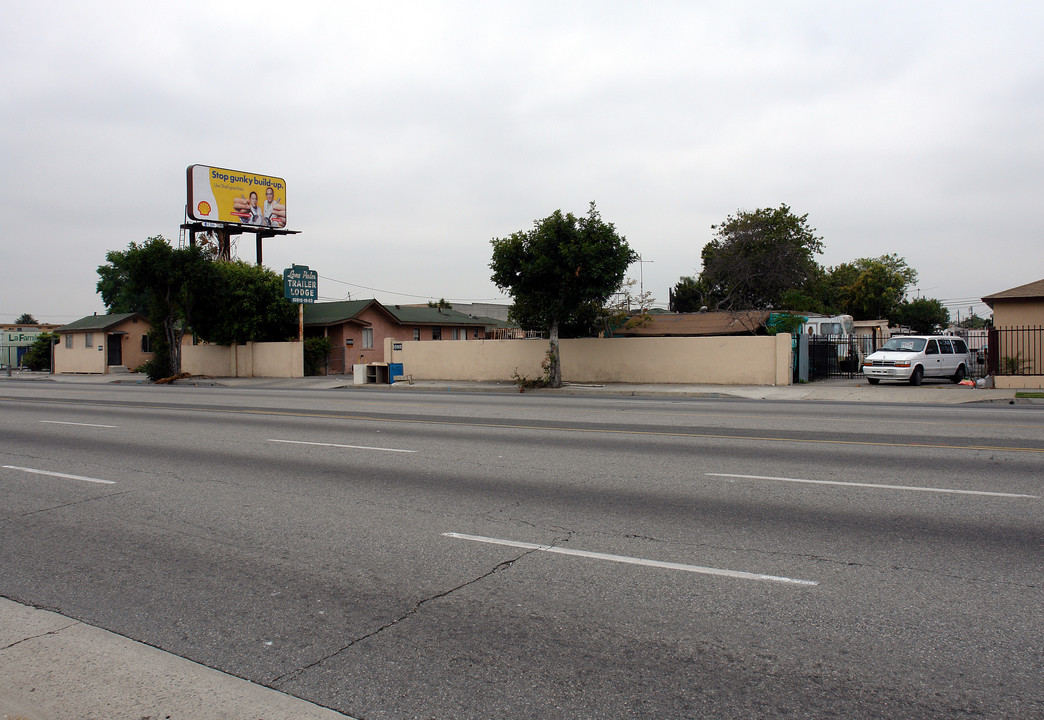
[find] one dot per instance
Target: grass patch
(1029, 394)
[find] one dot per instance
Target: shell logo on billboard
(232, 196)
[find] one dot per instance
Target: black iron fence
(837, 356)
(1016, 351)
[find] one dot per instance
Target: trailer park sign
(301, 285)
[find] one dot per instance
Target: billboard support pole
(224, 244)
(300, 321)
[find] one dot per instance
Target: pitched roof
(333, 313)
(705, 323)
(414, 315)
(98, 322)
(1028, 291)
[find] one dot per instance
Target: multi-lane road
(438, 555)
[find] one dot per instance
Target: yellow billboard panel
(231, 196)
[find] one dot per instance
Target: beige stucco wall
(1018, 313)
(742, 360)
(278, 359)
(80, 358)
(284, 359)
(212, 360)
(1015, 382)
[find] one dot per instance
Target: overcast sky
(410, 134)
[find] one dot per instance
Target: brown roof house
(103, 344)
(357, 329)
(747, 322)
(1018, 317)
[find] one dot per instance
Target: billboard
(231, 196)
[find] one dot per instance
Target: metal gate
(837, 356)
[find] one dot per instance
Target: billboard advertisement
(232, 196)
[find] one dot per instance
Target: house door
(115, 349)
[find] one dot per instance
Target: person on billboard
(274, 212)
(255, 212)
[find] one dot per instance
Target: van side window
(959, 347)
(945, 347)
(932, 348)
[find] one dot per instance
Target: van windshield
(904, 345)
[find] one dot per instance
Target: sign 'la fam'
(301, 285)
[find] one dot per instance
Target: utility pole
(641, 274)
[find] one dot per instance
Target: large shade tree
(558, 270)
(185, 290)
(923, 315)
(872, 288)
(754, 260)
(162, 282)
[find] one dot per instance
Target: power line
(409, 295)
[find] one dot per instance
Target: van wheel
(873, 381)
(917, 375)
(959, 375)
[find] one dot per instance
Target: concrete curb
(944, 393)
(56, 668)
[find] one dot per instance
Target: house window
(367, 339)
(436, 333)
(416, 333)
(68, 341)
(88, 339)
(146, 344)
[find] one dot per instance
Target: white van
(911, 358)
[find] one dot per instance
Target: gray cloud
(410, 133)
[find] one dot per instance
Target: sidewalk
(56, 668)
(856, 390)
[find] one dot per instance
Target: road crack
(41, 635)
(293, 674)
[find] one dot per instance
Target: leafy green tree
(924, 315)
(185, 290)
(755, 259)
(316, 350)
(558, 270)
(163, 283)
(687, 295)
(871, 288)
(26, 319)
(38, 356)
(243, 303)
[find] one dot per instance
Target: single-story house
(1021, 306)
(102, 344)
(357, 329)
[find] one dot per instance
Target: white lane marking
(350, 447)
(739, 574)
(873, 485)
(61, 475)
(60, 422)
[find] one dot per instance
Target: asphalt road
(437, 555)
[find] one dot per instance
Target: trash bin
(395, 370)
